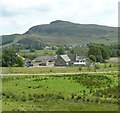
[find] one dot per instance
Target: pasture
(102, 67)
(37, 53)
(82, 92)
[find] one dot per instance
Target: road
(48, 74)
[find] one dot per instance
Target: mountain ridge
(64, 32)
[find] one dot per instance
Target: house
(28, 62)
(70, 60)
(73, 58)
(80, 62)
(62, 60)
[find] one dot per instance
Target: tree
(60, 50)
(100, 51)
(19, 62)
(72, 51)
(54, 48)
(32, 50)
(92, 58)
(105, 52)
(79, 50)
(10, 58)
(95, 51)
(99, 57)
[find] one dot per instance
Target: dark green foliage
(79, 50)
(92, 58)
(72, 51)
(32, 50)
(60, 50)
(30, 56)
(19, 62)
(11, 59)
(105, 65)
(23, 98)
(108, 93)
(115, 50)
(96, 66)
(100, 51)
(7, 39)
(105, 50)
(110, 65)
(80, 68)
(92, 81)
(54, 48)
(29, 43)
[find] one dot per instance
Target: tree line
(101, 52)
(95, 52)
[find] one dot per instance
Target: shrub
(110, 65)
(30, 97)
(80, 68)
(78, 97)
(96, 67)
(73, 95)
(23, 98)
(29, 86)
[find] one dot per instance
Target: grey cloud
(6, 12)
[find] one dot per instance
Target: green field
(103, 67)
(45, 52)
(83, 92)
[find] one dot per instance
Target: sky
(17, 16)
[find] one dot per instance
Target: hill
(62, 32)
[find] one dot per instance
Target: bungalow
(44, 60)
(62, 60)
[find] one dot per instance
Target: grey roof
(65, 58)
(42, 58)
(73, 57)
(27, 60)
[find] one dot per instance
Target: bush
(32, 50)
(23, 98)
(80, 68)
(30, 97)
(78, 97)
(110, 65)
(96, 67)
(29, 86)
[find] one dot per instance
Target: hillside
(62, 32)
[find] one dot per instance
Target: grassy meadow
(75, 69)
(81, 92)
(37, 52)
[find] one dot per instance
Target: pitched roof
(65, 58)
(73, 57)
(40, 58)
(27, 60)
